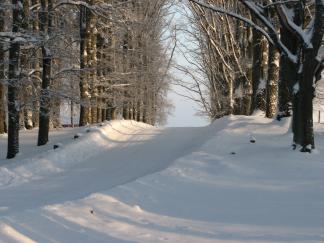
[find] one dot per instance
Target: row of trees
(252, 55)
(104, 58)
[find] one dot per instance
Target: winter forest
(103, 58)
(85, 93)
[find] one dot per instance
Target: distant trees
(301, 33)
(106, 56)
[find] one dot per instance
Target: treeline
(251, 55)
(103, 59)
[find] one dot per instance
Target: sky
(184, 113)
(185, 110)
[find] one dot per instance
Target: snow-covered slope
(129, 182)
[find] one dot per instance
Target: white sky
(185, 110)
(184, 114)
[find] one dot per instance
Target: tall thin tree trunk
(44, 114)
(72, 113)
(92, 63)
(27, 95)
(272, 82)
(256, 66)
(36, 77)
(2, 76)
(84, 87)
(13, 86)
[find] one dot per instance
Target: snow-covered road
(137, 151)
(130, 182)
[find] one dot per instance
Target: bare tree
(309, 40)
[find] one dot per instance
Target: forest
(256, 55)
(89, 149)
(106, 60)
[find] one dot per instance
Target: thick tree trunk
(288, 73)
(303, 120)
(13, 86)
(287, 76)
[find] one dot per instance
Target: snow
(130, 182)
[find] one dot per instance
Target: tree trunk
(303, 123)
(272, 82)
(44, 113)
(288, 73)
(303, 120)
(103, 114)
(92, 63)
(256, 66)
(72, 113)
(2, 76)
(36, 77)
(13, 86)
(27, 95)
(84, 87)
(125, 111)
(287, 77)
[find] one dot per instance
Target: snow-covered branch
(271, 33)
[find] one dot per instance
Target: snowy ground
(129, 182)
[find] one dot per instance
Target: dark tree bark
(125, 110)
(138, 109)
(288, 70)
(256, 66)
(13, 84)
(304, 122)
(2, 76)
(44, 113)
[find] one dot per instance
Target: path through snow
(129, 182)
(113, 155)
